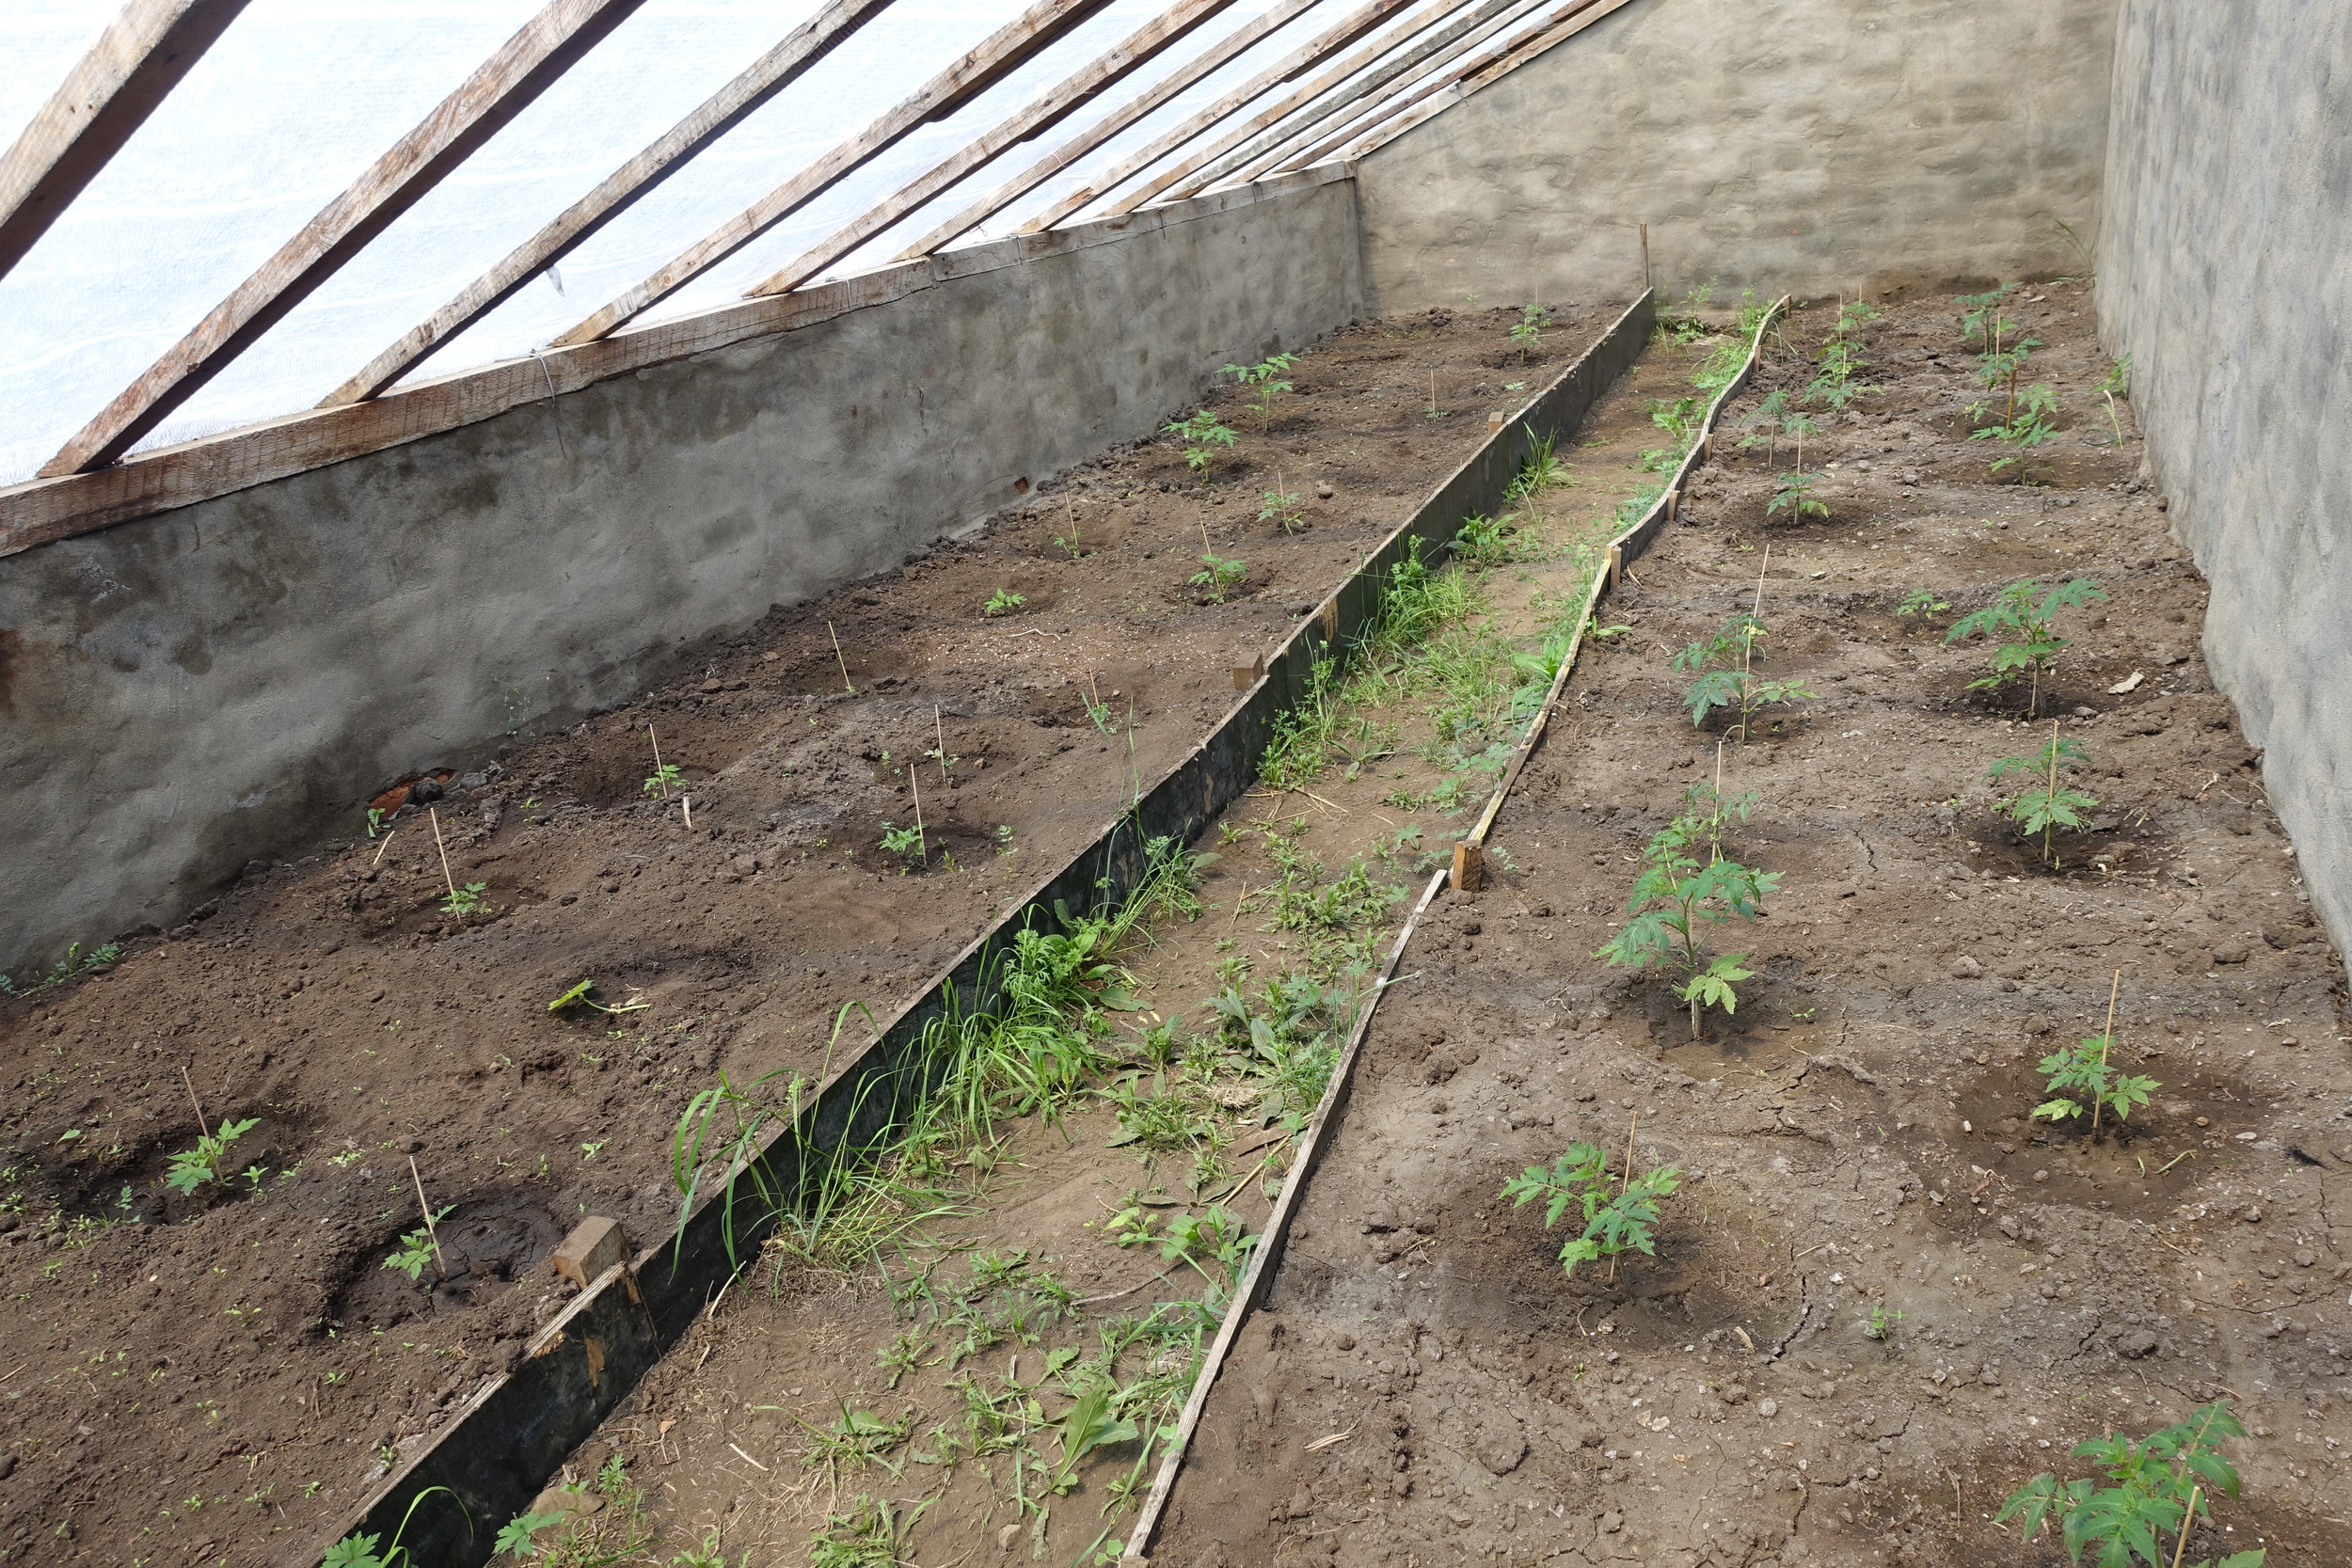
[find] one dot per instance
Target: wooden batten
(1007, 48)
(766, 76)
(527, 65)
(131, 68)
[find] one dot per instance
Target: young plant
(1263, 379)
(466, 901)
(663, 779)
(191, 1168)
(1679, 418)
(1092, 1421)
(1767, 422)
(1922, 602)
(416, 1248)
(1726, 667)
(1003, 602)
(1842, 357)
(2047, 807)
(1616, 1222)
(1792, 493)
(2028, 428)
(872, 1534)
(2082, 1082)
(1221, 575)
(1202, 434)
(1528, 331)
(2027, 613)
(2157, 1485)
(1278, 505)
(905, 843)
(1881, 1324)
(1981, 320)
(1673, 899)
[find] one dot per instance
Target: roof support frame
(1450, 65)
(1479, 78)
(1050, 108)
(502, 88)
(1303, 58)
(137, 61)
(1440, 24)
(778, 68)
(1168, 86)
(970, 74)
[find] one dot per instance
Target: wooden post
(1645, 278)
(1469, 868)
(1247, 675)
(1616, 565)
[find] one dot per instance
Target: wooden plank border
(517, 1429)
(42, 511)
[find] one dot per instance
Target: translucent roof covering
(299, 98)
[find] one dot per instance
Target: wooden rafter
(766, 76)
(1305, 58)
(133, 66)
(1480, 76)
(1431, 29)
(527, 65)
(1435, 76)
(1048, 110)
(1105, 128)
(996, 57)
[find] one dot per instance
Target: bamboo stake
(2106, 1038)
(2188, 1521)
(193, 1106)
(1630, 1127)
(940, 730)
(2050, 826)
(660, 780)
(838, 658)
(439, 1262)
(920, 842)
(446, 879)
(686, 801)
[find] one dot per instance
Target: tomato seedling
(2047, 807)
(1263, 379)
(1003, 602)
(1201, 433)
(1672, 898)
(192, 1168)
(1616, 1221)
(2159, 1486)
(1724, 664)
(2027, 613)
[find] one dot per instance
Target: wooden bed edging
(504, 1443)
(1265, 1261)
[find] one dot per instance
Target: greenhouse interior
(850, 545)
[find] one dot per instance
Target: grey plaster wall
(2225, 272)
(1814, 145)
(188, 691)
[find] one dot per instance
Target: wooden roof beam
(766, 76)
(1305, 58)
(527, 65)
(1211, 163)
(1002, 51)
(1435, 77)
(1049, 110)
(1094, 135)
(1482, 76)
(131, 68)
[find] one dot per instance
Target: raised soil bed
(1426, 1385)
(219, 1375)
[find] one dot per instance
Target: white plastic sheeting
(300, 96)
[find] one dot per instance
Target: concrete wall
(188, 691)
(1817, 146)
(2223, 274)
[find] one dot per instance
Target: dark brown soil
(215, 1377)
(1426, 1387)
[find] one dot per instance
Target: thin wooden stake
(1645, 278)
(660, 780)
(687, 802)
(922, 843)
(2188, 1520)
(842, 661)
(1630, 1127)
(2049, 828)
(439, 1262)
(2106, 1038)
(192, 1105)
(448, 881)
(940, 730)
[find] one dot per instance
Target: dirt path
(211, 1374)
(1427, 1386)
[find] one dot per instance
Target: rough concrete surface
(1813, 146)
(188, 691)
(2223, 275)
